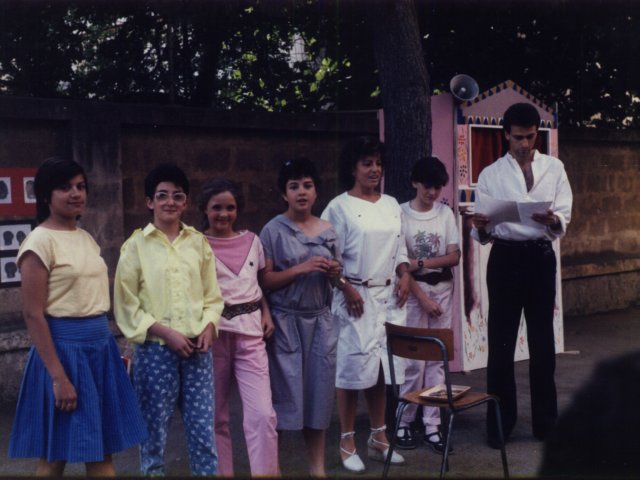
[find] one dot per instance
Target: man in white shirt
(521, 273)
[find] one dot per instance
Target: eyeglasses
(178, 197)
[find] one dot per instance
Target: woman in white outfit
(373, 290)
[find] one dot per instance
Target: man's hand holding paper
(494, 211)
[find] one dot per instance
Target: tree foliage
(310, 55)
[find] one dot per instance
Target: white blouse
(370, 236)
(503, 180)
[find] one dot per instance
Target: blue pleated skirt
(107, 418)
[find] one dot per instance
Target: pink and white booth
(466, 137)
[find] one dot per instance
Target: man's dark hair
(430, 172)
(355, 150)
(53, 173)
(521, 115)
(295, 170)
(165, 172)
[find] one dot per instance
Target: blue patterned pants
(163, 380)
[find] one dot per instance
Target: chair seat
(467, 400)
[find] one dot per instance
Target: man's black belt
(434, 278)
(540, 242)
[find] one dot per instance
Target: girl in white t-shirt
(431, 236)
(239, 352)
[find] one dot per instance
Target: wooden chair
(433, 345)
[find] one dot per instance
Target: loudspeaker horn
(464, 87)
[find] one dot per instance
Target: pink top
(238, 260)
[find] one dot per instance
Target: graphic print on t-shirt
(427, 245)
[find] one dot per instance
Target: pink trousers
(244, 358)
(419, 374)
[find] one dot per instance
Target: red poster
(17, 198)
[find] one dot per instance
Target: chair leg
(392, 441)
(445, 456)
(503, 451)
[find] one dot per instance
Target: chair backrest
(434, 344)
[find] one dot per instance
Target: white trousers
(420, 374)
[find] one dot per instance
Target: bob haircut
(165, 172)
(214, 187)
(355, 150)
(521, 115)
(295, 170)
(430, 172)
(54, 173)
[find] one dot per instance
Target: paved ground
(587, 341)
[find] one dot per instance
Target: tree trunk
(404, 83)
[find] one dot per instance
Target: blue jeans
(163, 380)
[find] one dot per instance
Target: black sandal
(405, 440)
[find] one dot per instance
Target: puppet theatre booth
(467, 136)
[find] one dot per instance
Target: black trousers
(522, 275)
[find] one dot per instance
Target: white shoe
(378, 450)
(353, 462)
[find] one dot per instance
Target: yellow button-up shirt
(172, 283)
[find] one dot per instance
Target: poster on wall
(5, 190)
(9, 273)
(17, 198)
(12, 234)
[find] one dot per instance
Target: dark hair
(165, 172)
(295, 170)
(521, 115)
(214, 187)
(355, 150)
(430, 172)
(52, 174)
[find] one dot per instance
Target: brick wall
(600, 253)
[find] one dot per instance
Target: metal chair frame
(430, 344)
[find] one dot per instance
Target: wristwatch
(420, 263)
(342, 282)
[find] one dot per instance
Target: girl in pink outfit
(239, 352)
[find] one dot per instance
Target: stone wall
(118, 144)
(601, 252)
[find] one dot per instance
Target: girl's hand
(178, 343)
(430, 306)
(203, 342)
(402, 288)
(267, 324)
(335, 270)
(355, 303)
(65, 395)
(314, 264)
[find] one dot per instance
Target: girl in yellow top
(76, 403)
(167, 301)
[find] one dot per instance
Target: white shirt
(504, 180)
(428, 234)
(370, 236)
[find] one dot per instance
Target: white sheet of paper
(498, 211)
(526, 209)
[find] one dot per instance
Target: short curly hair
(357, 149)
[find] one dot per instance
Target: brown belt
(434, 278)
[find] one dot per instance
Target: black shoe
(436, 443)
(404, 440)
